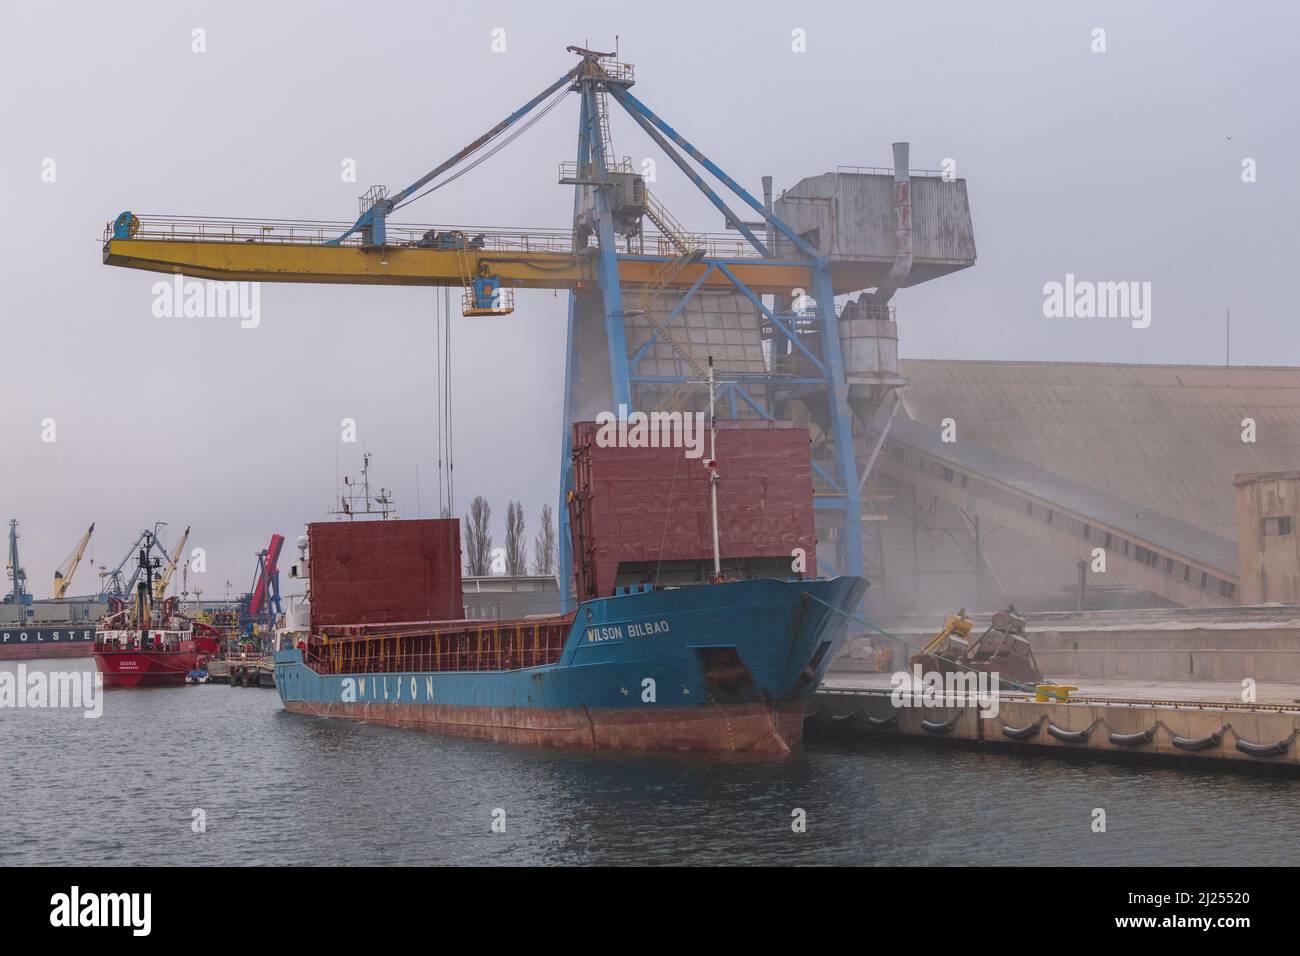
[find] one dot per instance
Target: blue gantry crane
(602, 258)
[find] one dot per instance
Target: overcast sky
(1122, 165)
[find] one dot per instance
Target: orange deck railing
(458, 646)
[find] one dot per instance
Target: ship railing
(713, 245)
(502, 648)
(247, 658)
(889, 171)
(435, 662)
(477, 238)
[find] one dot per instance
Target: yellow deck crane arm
(63, 576)
(164, 579)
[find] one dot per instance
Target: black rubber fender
(934, 727)
(1198, 743)
(1264, 750)
(1023, 733)
(887, 721)
(1133, 740)
(1069, 736)
(851, 715)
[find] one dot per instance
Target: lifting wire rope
(442, 326)
(442, 403)
(437, 378)
(523, 127)
(451, 448)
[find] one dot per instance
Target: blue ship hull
(711, 667)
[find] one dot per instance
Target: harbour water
(275, 788)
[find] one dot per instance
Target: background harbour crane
(63, 576)
(165, 579)
(113, 583)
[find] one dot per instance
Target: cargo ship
(45, 639)
(675, 644)
(40, 629)
(149, 643)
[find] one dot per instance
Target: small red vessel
(141, 644)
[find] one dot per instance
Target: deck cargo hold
(641, 515)
(376, 572)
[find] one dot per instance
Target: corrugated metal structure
(380, 572)
(1143, 548)
(642, 515)
(720, 324)
(1165, 436)
(1168, 440)
(848, 215)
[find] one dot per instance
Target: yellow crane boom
(251, 252)
(164, 579)
(63, 576)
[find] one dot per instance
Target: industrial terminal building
(1053, 460)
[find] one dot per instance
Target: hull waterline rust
(755, 728)
(31, 652)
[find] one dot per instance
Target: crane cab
(486, 296)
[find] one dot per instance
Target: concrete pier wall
(1262, 643)
(862, 712)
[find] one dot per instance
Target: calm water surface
(284, 789)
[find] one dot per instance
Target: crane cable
(442, 403)
(437, 372)
(528, 124)
(451, 457)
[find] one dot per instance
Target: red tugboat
(144, 644)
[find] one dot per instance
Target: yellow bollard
(1056, 693)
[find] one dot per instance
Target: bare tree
(544, 551)
(478, 536)
(516, 549)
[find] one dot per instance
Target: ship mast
(386, 509)
(144, 587)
